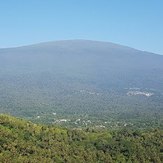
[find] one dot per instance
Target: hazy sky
(135, 23)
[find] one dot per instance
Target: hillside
(82, 83)
(23, 141)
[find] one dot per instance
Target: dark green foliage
(22, 141)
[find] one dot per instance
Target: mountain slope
(82, 78)
(23, 141)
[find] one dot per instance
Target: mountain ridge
(78, 41)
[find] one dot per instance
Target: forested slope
(81, 79)
(22, 141)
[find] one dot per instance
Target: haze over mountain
(81, 77)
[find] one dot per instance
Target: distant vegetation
(22, 141)
(102, 84)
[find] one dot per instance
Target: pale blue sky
(135, 23)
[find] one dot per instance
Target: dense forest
(24, 141)
(82, 101)
(82, 83)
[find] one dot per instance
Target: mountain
(23, 141)
(64, 81)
